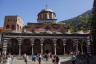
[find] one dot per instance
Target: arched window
(50, 15)
(46, 16)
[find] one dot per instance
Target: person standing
(73, 59)
(13, 59)
(4, 58)
(39, 59)
(56, 59)
(46, 57)
(9, 59)
(53, 59)
(25, 58)
(34, 58)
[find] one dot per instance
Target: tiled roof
(1, 28)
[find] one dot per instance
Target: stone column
(88, 45)
(32, 43)
(54, 40)
(55, 48)
(47, 15)
(76, 44)
(82, 44)
(41, 48)
(64, 44)
(42, 40)
(5, 46)
(32, 49)
(20, 42)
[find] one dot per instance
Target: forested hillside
(81, 22)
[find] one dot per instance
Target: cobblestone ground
(21, 61)
(62, 58)
(32, 62)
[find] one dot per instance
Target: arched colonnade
(33, 46)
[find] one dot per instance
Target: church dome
(46, 16)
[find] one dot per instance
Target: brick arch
(26, 46)
(13, 46)
(82, 46)
(37, 46)
(59, 47)
(70, 47)
(48, 46)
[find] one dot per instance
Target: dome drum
(47, 21)
(46, 15)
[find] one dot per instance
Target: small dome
(46, 16)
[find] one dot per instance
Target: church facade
(45, 36)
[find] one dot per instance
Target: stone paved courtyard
(62, 59)
(21, 61)
(32, 62)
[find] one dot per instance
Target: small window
(8, 20)
(7, 26)
(13, 27)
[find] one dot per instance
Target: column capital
(88, 37)
(54, 40)
(41, 40)
(20, 40)
(41, 44)
(19, 44)
(5, 40)
(32, 44)
(64, 44)
(5, 44)
(64, 41)
(54, 44)
(75, 39)
(32, 41)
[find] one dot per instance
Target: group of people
(7, 59)
(55, 59)
(10, 59)
(45, 57)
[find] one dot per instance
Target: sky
(28, 9)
